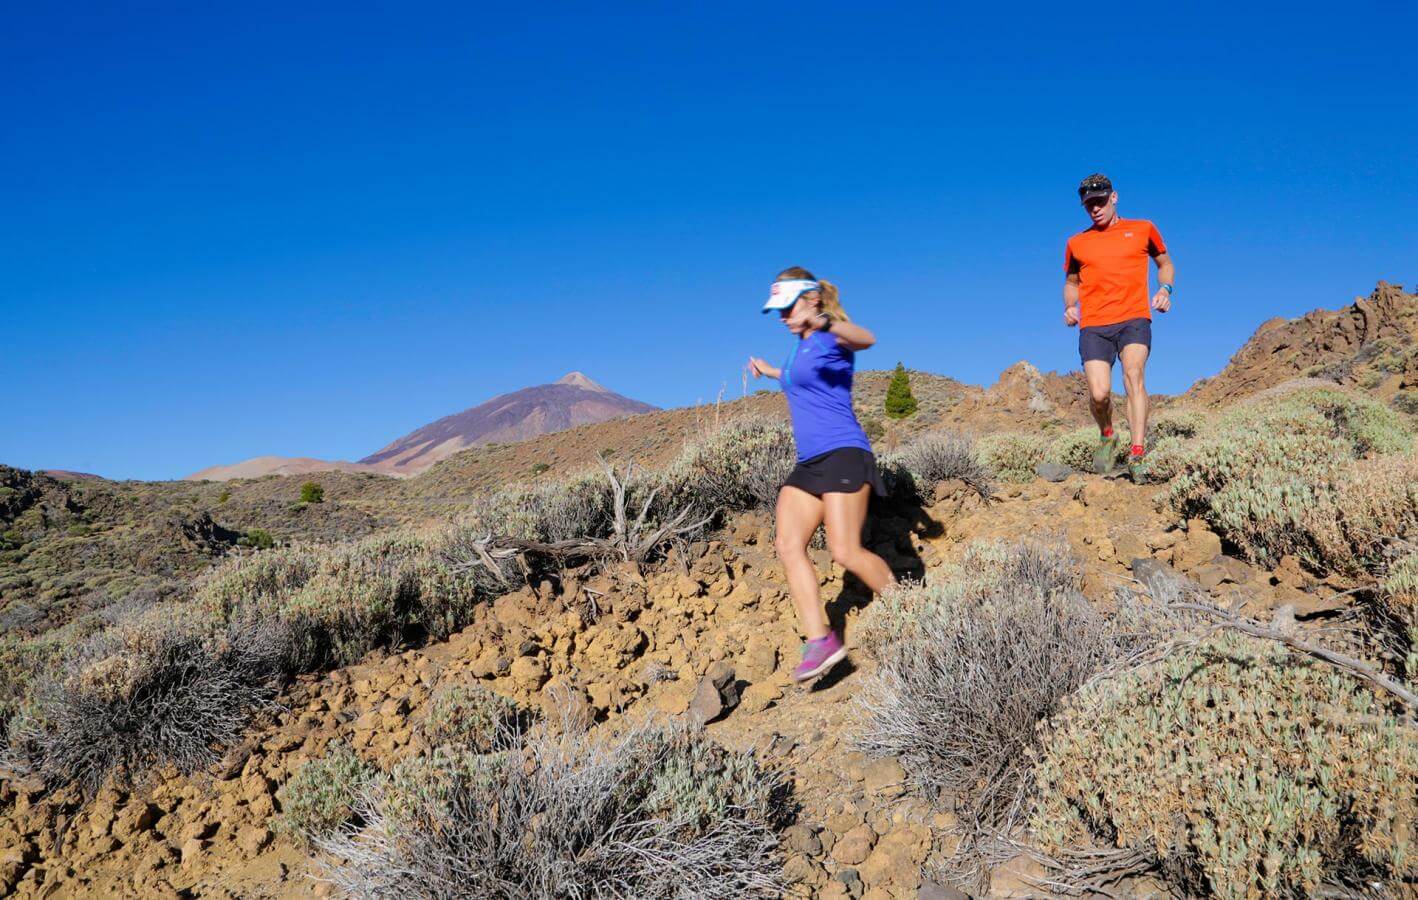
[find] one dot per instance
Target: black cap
(1095, 185)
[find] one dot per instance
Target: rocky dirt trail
(710, 637)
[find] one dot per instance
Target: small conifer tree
(899, 401)
(310, 492)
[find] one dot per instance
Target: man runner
(1105, 294)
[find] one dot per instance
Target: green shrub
(319, 798)
(310, 492)
(899, 401)
(471, 717)
(1243, 769)
(257, 539)
(539, 468)
(1011, 456)
(224, 496)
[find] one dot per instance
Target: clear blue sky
(297, 230)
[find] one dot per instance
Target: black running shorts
(1105, 342)
(840, 471)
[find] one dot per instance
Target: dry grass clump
(319, 798)
(1011, 456)
(655, 813)
(156, 690)
(1278, 476)
(969, 666)
(1241, 768)
(915, 470)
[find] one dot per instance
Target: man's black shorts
(1105, 342)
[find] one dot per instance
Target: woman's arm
(851, 335)
(758, 368)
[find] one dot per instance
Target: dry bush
(340, 602)
(319, 798)
(1242, 769)
(653, 814)
(969, 665)
(739, 466)
(916, 469)
(579, 506)
(1011, 456)
(161, 689)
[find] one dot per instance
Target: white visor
(785, 293)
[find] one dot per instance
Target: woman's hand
(759, 369)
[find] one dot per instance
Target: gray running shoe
(1137, 468)
(1105, 455)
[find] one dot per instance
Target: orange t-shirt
(1112, 270)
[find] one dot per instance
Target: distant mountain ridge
(571, 400)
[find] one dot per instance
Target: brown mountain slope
(571, 400)
(1369, 343)
(261, 466)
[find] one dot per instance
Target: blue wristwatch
(1167, 287)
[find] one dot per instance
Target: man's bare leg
(1134, 358)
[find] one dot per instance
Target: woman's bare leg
(845, 515)
(799, 513)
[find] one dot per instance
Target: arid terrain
(559, 666)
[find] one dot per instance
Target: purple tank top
(817, 380)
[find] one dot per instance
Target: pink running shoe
(819, 656)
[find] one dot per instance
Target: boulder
(855, 846)
(717, 694)
(1054, 472)
(1200, 546)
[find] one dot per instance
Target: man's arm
(1166, 274)
(1070, 293)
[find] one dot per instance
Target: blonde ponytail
(831, 301)
(827, 291)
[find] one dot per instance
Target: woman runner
(836, 471)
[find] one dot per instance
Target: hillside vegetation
(573, 682)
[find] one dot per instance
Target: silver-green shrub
(1011, 456)
(1243, 769)
(653, 813)
(319, 798)
(471, 717)
(740, 466)
(913, 471)
(1075, 448)
(968, 666)
(1277, 475)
